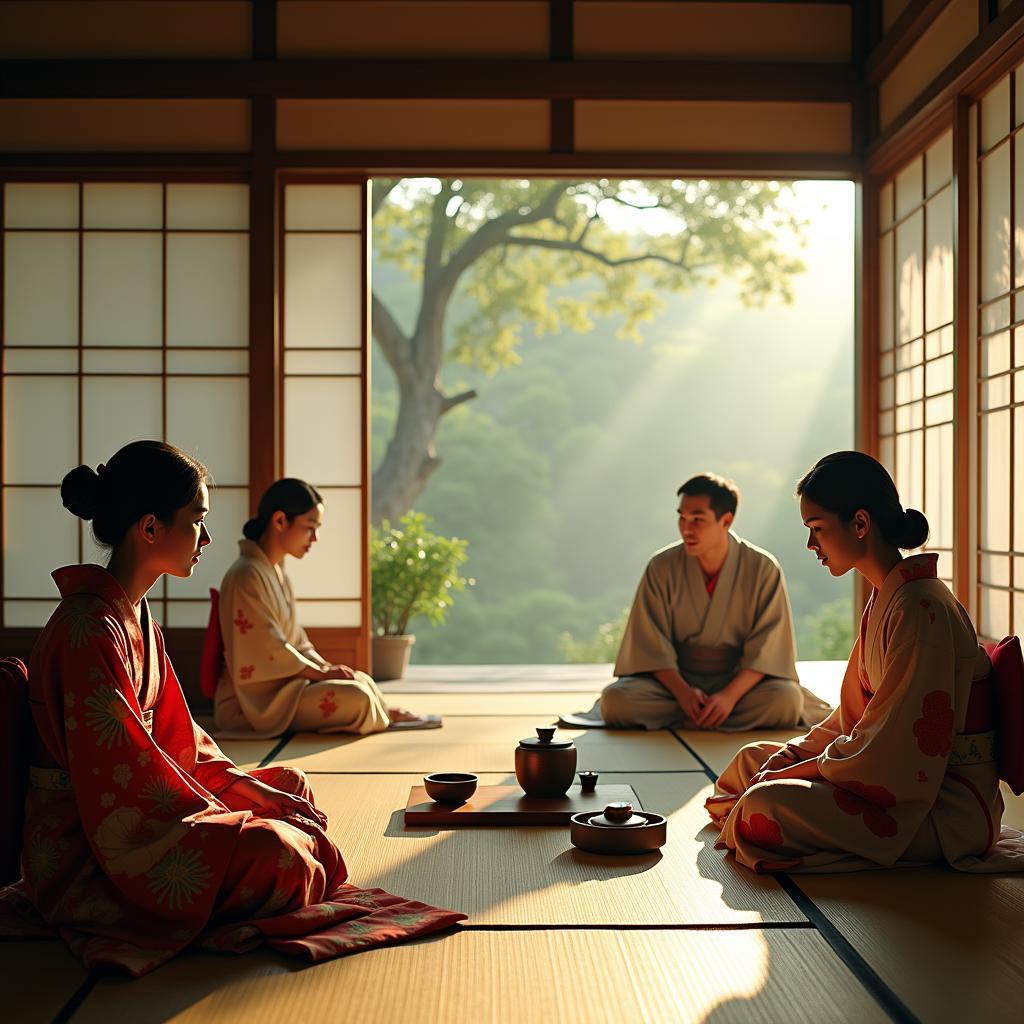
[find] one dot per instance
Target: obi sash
(695, 659)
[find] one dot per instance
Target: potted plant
(413, 573)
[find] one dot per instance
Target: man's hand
(691, 700)
(273, 803)
(717, 708)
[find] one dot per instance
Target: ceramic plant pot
(545, 766)
(391, 656)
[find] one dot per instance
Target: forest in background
(562, 473)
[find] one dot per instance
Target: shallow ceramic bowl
(623, 840)
(450, 787)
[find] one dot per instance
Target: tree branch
(656, 205)
(437, 290)
(586, 227)
(450, 401)
(380, 190)
(433, 251)
(568, 245)
(497, 230)
(392, 340)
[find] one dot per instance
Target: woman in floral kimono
(140, 836)
(890, 777)
(273, 679)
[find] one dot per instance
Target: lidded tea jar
(545, 766)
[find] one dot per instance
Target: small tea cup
(450, 787)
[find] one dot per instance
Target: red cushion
(1008, 677)
(14, 737)
(979, 705)
(213, 650)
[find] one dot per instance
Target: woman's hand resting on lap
(780, 759)
(806, 770)
(273, 803)
(328, 672)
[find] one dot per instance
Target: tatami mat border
(862, 970)
(70, 1008)
(816, 919)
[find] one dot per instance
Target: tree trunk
(410, 458)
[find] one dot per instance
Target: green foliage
(511, 248)
(562, 473)
(414, 573)
(601, 647)
(827, 634)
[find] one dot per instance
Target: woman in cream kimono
(890, 777)
(273, 679)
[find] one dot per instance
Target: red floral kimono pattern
(149, 850)
(888, 791)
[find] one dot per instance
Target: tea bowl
(450, 787)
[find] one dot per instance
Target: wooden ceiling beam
(906, 30)
(428, 79)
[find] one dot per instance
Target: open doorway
(567, 353)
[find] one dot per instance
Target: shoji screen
(1000, 396)
(916, 379)
(325, 281)
(125, 316)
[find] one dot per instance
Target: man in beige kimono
(709, 643)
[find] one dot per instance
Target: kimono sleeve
(647, 640)
(818, 737)
(160, 837)
(196, 752)
(256, 648)
(306, 649)
(895, 758)
(770, 647)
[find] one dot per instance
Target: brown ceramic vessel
(618, 830)
(450, 787)
(545, 766)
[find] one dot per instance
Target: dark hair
(844, 482)
(143, 478)
(290, 496)
(724, 494)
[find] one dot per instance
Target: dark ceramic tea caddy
(545, 766)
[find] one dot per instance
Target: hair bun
(253, 529)
(79, 492)
(914, 531)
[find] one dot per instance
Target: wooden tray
(507, 805)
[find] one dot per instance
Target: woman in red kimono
(904, 771)
(140, 836)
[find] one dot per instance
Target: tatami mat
(593, 976)
(481, 745)
(247, 753)
(534, 876)
(500, 679)
(547, 705)
(717, 749)
(949, 945)
(39, 978)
